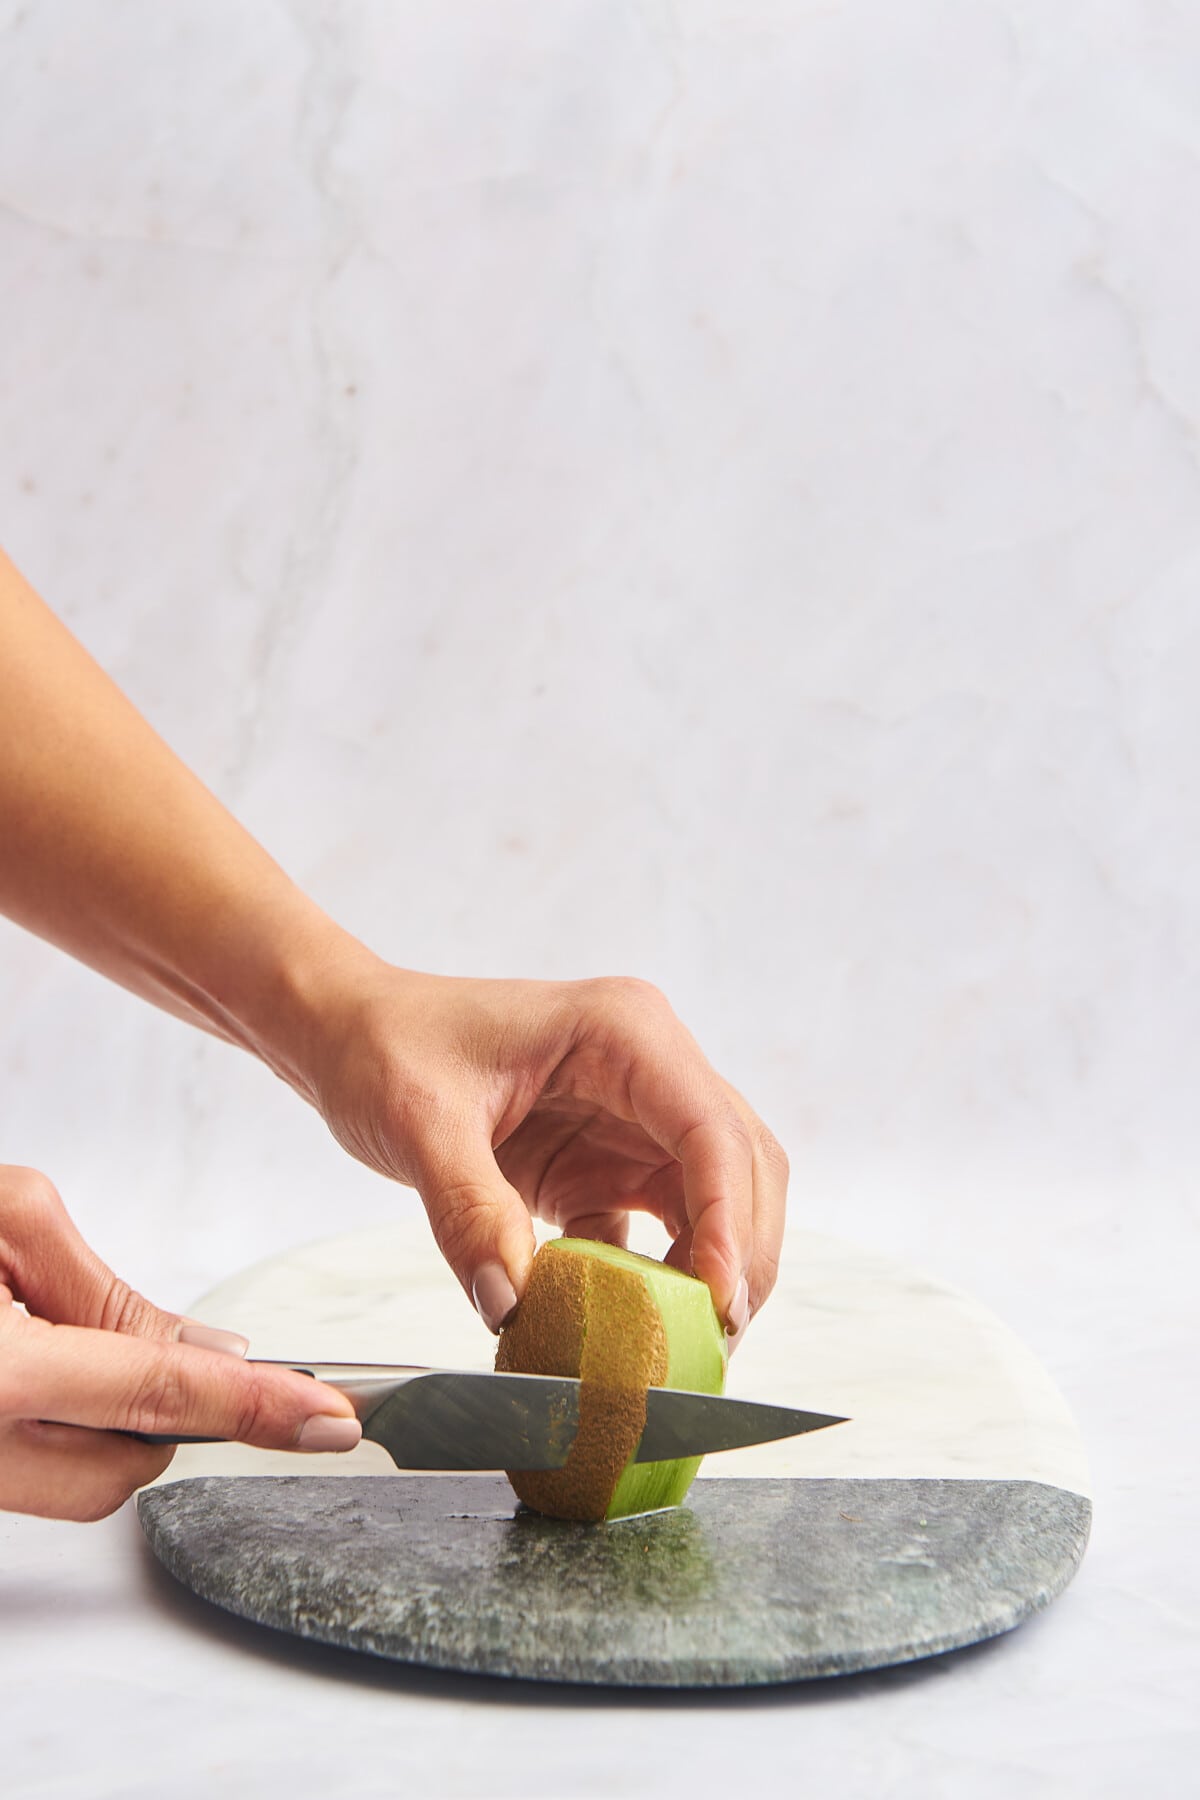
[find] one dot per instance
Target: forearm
(578, 1101)
(113, 850)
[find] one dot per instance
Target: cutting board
(950, 1509)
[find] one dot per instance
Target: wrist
(317, 977)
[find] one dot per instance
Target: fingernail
(325, 1431)
(734, 1338)
(210, 1337)
(494, 1295)
(738, 1315)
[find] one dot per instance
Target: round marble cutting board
(952, 1506)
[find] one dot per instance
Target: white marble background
(706, 490)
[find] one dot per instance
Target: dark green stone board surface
(750, 1582)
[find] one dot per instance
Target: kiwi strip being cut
(620, 1323)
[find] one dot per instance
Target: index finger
(733, 1197)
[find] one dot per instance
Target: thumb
(482, 1225)
(111, 1381)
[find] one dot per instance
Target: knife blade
(465, 1419)
(480, 1419)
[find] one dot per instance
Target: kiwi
(621, 1323)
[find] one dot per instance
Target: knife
(476, 1419)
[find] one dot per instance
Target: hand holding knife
(475, 1419)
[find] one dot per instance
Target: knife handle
(165, 1437)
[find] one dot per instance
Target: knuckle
(411, 1099)
(157, 1400)
(719, 1132)
(631, 992)
(31, 1218)
(459, 1214)
(122, 1308)
(413, 1116)
(773, 1154)
(737, 1131)
(28, 1200)
(766, 1274)
(253, 1415)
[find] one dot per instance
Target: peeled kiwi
(621, 1323)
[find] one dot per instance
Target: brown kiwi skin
(588, 1319)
